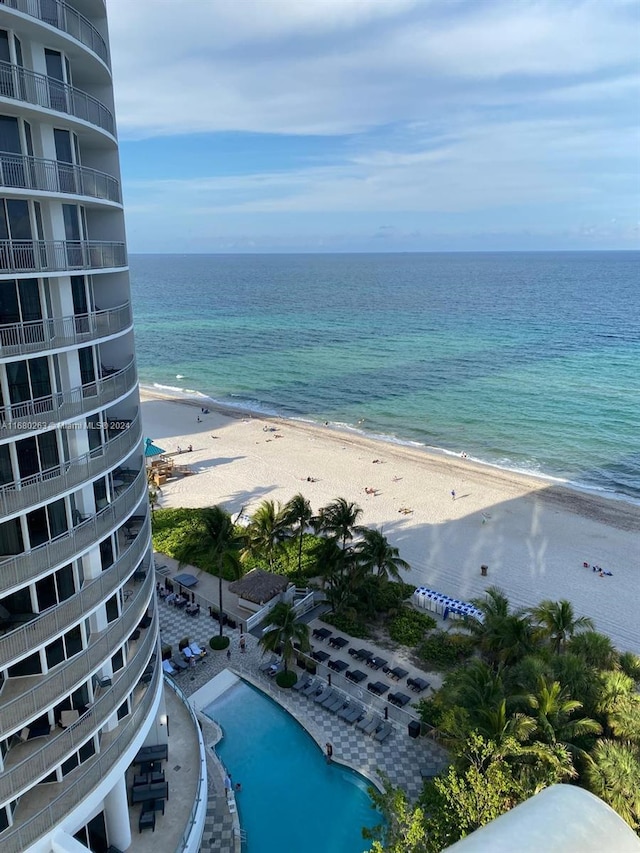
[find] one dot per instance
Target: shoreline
(609, 508)
(447, 516)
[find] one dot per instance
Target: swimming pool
(291, 799)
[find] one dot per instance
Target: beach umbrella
(151, 449)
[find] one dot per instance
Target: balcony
(28, 701)
(60, 255)
(84, 780)
(20, 569)
(59, 619)
(21, 85)
(20, 419)
(21, 494)
(63, 17)
(52, 176)
(17, 777)
(54, 332)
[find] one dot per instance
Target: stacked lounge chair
(302, 682)
(369, 725)
(311, 687)
(383, 731)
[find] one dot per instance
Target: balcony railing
(43, 91)
(22, 568)
(68, 676)
(25, 833)
(46, 412)
(53, 176)
(53, 332)
(60, 618)
(21, 776)
(41, 487)
(63, 17)
(60, 255)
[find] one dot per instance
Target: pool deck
(400, 757)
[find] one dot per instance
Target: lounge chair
(356, 714)
(197, 651)
(372, 725)
(179, 664)
(324, 693)
(311, 687)
(382, 732)
(265, 666)
(274, 669)
(344, 713)
(187, 654)
(399, 699)
(166, 667)
(417, 684)
(337, 704)
(330, 699)
(301, 682)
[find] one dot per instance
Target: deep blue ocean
(526, 361)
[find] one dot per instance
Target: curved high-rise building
(80, 688)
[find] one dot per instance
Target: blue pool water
(291, 799)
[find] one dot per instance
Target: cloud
(344, 66)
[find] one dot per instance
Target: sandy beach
(532, 534)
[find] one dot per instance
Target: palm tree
(375, 554)
(339, 519)
(266, 532)
(558, 622)
(614, 776)
(214, 537)
(297, 515)
(597, 649)
(285, 633)
(554, 714)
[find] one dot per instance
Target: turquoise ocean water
(525, 361)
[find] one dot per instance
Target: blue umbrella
(151, 449)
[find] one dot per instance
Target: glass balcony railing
(18, 777)
(60, 255)
(20, 495)
(20, 419)
(59, 619)
(20, 84)
(63, 17)
(53, 332)
(66, 677)
(53, 176)
(86, 779)
(20, 569)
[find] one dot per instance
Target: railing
(183, 844)
(47, 412)
(20, 569)
(23, 834)
(52, 332)
(53, 176)
(68, 676)
(262, 614)
(304, 605)
(60, 618)
(43, 91)
(63, 17)
(19, 495)
(60, 255)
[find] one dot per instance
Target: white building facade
(80, 684)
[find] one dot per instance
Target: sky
(378, 125)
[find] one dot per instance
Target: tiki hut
(258, 587)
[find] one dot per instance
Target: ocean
(524, 361)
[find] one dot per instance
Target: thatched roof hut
(259, 586)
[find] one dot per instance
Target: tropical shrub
(410, 626)
(286, 679)
(442, 650)
(350, 624)
(218, 643)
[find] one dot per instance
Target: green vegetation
(286, 679)
(544, 699)
(410, 626)
(285, 635)
(218, 643)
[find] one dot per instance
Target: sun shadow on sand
(203, 464)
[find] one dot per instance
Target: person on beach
(453, 494)
(199, 419)
(243, 643)
(329, 750)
